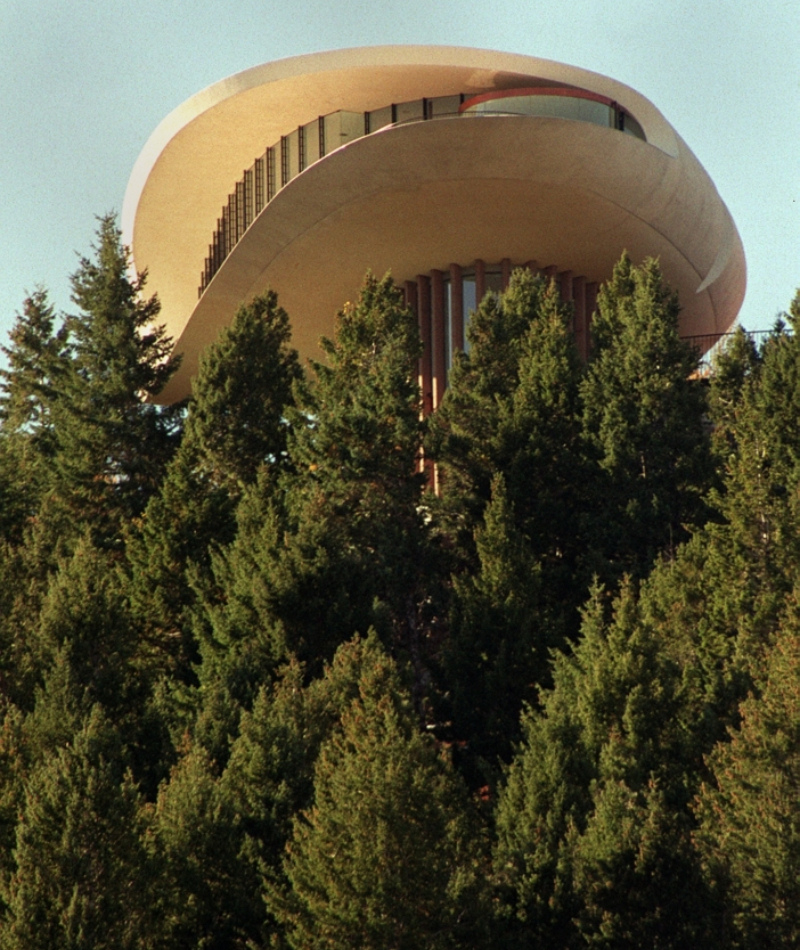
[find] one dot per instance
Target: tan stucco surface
(417, 196)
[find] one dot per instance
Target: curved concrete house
(447, 166)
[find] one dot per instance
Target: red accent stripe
(537, 91)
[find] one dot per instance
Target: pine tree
(749, 819)
(386, 857)
(112, 445)
(342, 545)
(753, 553)
(209, 894)
(643, 422)
(511, 409)
(496, 653)
(594, 827)
(13, 770)
(82, 877)
(37, 362)
(360, 449)
(237, 417)
(83, 649)
(735, 368)
(236, 424)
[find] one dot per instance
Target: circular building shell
(446, 166)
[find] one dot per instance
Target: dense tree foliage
(262, 686)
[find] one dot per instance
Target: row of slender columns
(426, 296)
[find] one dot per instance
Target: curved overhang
(419, 196)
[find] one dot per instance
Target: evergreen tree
(13, 772)
(753, 553)
(496, 652)
(360, 450)
(236, 423)
(777, 396)
(749, 818)
(82, 876)
(35, 365)
(511, 409)
(594, 829)
(343, 545)
(269, 777)
(735, 368)
(83, 649)
(237, 418)
(387, 856)
(112, 445)
(166, 549)
(643, 422)
(209, 895)
(37, 362)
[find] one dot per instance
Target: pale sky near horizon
(84, 83)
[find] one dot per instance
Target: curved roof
(418, 196)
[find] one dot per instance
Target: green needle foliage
(236, 426)
(112, 446)
(38, 360)
(511, 409)
(240, 396)
(82, 875)
(643, 421)
(387, 857)
(749, 819)
(251, 668)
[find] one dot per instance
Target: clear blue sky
(83, 83)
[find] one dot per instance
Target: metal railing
(709, 345)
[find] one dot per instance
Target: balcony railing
(709, 345)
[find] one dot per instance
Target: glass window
(342, 127)
(470, 303)
(249, 198)
(631, 127)
(260, 180)
(293, 143)
(272, 156)
(379, 118)
(409, 111)
(557, 106)
(448, 323)
(311, 143)
(444, 105)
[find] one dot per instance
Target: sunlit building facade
(447, 166)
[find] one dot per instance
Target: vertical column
(438, 337)
(271, 160)
(533, 267)
(580, 321)
(238, 204)
(285, 175)
(425, 362)
(258, 198)
(480, 282)
(456, 309)
(550, 271)
(249, 198)
(505, 268)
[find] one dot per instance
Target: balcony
(307, 144)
